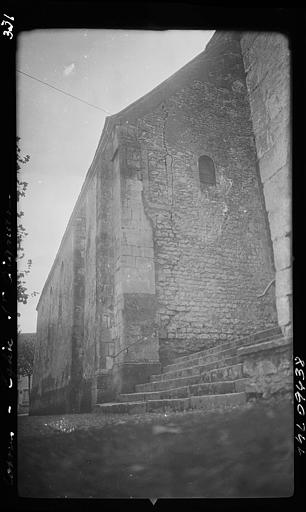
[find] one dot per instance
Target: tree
(26, 348)
(25, 361)
(22, 294)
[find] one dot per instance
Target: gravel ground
(239, 452)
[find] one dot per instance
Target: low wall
(268, 368)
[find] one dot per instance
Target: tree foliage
(22, 272)
(25, 361)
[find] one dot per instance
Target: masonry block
(284, 310)
(167, 248)
(138, 279)
(284, 282)
(140, 328)
(267, 64)
(268, 368)
(282, 253)
(124, 377)
(277, 190)
(277, 157)
(280, 220)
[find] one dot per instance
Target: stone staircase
(207, 380)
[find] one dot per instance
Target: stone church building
(180, 240)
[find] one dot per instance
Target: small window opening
(207, 171)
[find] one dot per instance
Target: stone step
(209, 355)
(196, 370)
(207, 402)
(207, 351)
(232, 372)
(206, 388)
(266, 335)
(251, 340)
(201, 359)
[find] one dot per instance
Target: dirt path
(233, 453)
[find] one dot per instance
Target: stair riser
(216, 388)
(155, 395)
(209, 402)
(257, 336)
(195, 370)
(245, 343)
(207, 351)
(209, 379)
(125, 408)
(213, 388)
(227, 373)
(231, 344)
(200, 360)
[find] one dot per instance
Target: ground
(245, 452)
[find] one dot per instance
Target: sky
(107, 68)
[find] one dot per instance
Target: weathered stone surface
(121, 408)
(58, 383)
(125, 376)
(176, 404)
(284, 282)
(208, 390)
(210, 245)
(288, 329)
(267, 63)
(225, 373)
(140, 333)
(196, 369)
(282, 253)
(202, 358)
(277, 157)
(210, 402)
(284, 310)
(163, 258)
(246, 43)
(269, 368)
(264, 346)
(280, 220)
(277, 188)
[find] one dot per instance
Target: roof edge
(215, 37)
(108, 126)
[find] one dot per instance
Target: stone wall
(267, 64)
(78, 300)
(268, 368)
(52, 360)
(107, 293)
(130, 328)
(90, 324)
(151, 255)
(137, 268)
(65, 356)
(211, 245)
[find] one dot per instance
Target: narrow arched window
(207, 171)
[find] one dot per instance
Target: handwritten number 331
(9, 31)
